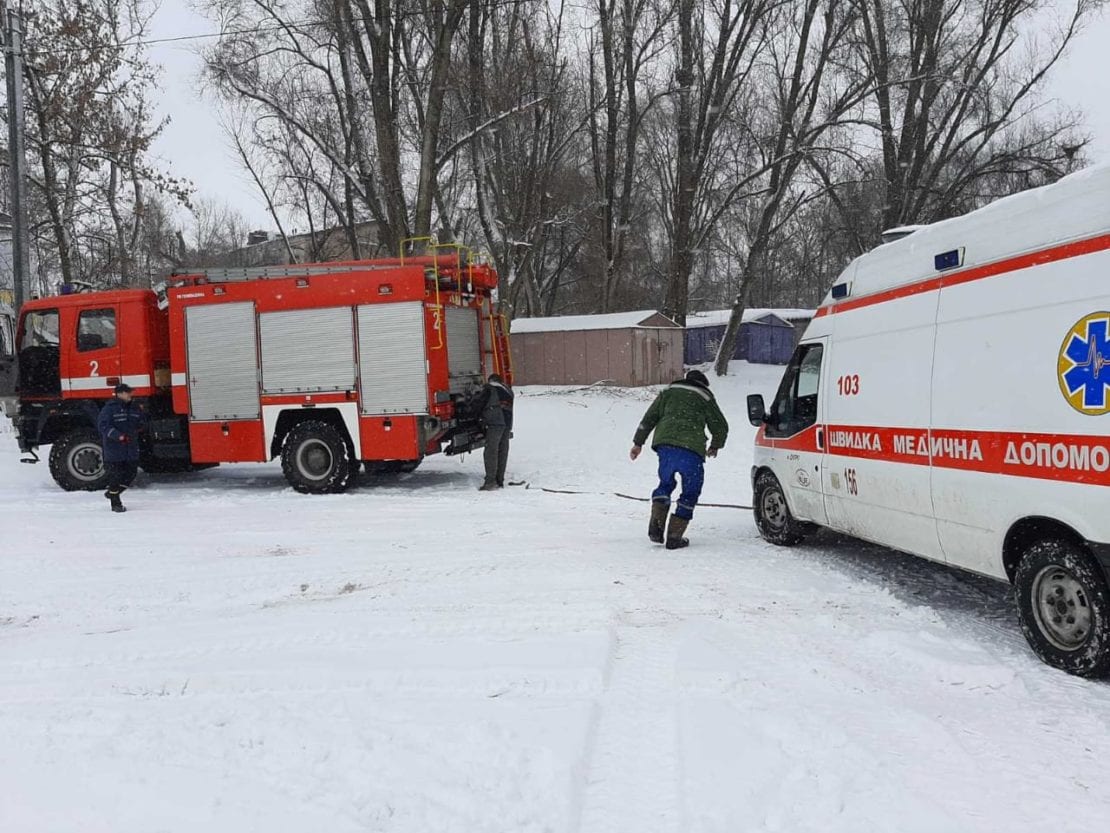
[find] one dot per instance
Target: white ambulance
(951, 399)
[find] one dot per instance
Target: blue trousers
(679, 462)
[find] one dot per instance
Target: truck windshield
(7, 341)
(795, 405)
(39, 357)
(40, 329)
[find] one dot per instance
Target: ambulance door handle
(820, 439)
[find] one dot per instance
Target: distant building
(624, 348)
(767, 336)
(266, 249)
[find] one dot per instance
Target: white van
(7, 358)
(951, 399)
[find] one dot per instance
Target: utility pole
(17, 180)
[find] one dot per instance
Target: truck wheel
(316, 459)
(1064, 607)
(381, 467)
(772, 513)
(77, 462)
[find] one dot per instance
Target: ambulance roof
(1076, 207)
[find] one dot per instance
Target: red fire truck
(323, 365)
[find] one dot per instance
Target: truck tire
(77, 462)
(383, 467)
(1064, 607)
(772, 513)
(316, 459)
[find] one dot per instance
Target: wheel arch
(290, 418)
(60, 418)
(1027, 531)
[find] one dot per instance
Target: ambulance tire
(316, 459)
(76, 461)
(772, 513)
(1064, 607)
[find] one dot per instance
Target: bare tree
(522, 123)
(718, 45)
(624, 48)
(807, 105)
(90, 129)
(956, 104)
(320, 67)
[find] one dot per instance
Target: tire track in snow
(632, 769)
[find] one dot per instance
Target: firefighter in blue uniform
(119, 424)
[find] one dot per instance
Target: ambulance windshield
(795, 405)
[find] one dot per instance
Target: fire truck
(324, 366)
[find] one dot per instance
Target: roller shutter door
(307, 351)
(392, 364)
(464, 351)
(223, 361)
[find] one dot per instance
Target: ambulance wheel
(1064, 607)
(77, 463)
(316, 459)
(772, 513)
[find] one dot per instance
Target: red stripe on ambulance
(990, 270)
(1070, 458)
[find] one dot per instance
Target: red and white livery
(951, 399)
(323, 365)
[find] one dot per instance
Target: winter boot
(675, 531)
(658, 523)
(488, 487)
(117, 504)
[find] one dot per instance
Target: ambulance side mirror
(757, 410)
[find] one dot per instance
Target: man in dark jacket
(119, 424)
(496, 409)
(679, 417)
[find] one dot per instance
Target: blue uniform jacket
(117, 420)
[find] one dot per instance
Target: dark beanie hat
(698, 378)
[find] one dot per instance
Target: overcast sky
(193, 145)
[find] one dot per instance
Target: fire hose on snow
(626, 497)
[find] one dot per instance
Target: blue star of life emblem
(1084, 365)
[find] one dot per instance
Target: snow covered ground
(415, 656)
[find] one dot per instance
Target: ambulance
(951, 399)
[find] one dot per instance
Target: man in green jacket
(679, 416)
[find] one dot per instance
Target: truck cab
(70, 353)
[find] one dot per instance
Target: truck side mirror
(757, 410)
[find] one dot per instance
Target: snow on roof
(1074, 208)
(719, 317)
(570, 323)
